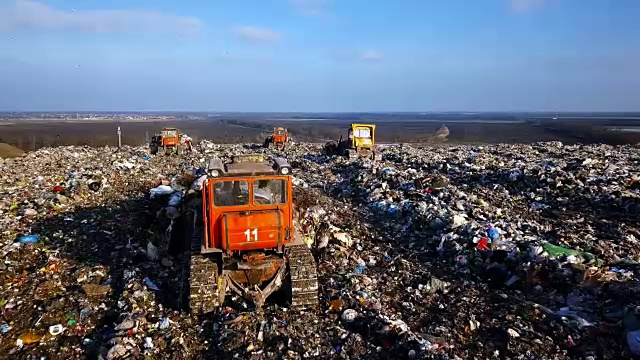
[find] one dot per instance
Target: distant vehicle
(167, 142)
(360, 142)
(245, 238)
(278, 139)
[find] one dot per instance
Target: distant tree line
(30, 136)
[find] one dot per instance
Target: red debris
(483, 244)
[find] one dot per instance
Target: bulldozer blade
(257, 296)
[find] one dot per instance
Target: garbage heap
(505, 251)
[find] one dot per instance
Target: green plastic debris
(555, 251)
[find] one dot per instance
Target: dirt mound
(8, 151)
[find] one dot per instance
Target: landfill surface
(502, 251)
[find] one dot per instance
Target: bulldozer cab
(279, 135)
(362, 136)
(277, 139)
(170, 136)
(247, 205)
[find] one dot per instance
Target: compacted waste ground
(504, 251)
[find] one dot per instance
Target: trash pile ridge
(501, 251)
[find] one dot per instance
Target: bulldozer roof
(248, 165)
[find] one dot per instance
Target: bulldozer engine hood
(252, 230)
(362, 142)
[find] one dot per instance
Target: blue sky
(320, 55)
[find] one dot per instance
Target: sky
(320, 55)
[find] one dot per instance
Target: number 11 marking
(249, 232)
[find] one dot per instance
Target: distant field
(30, 135)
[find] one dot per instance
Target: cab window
(170, 133)
(362, 133)
(231, 193)
(267, 192)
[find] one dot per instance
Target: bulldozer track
(304, 277)
(200, 277)
(203, 285)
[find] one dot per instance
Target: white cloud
(28, 14)
(312, 7)
(256, 34)
(522, 6)
(371, 55)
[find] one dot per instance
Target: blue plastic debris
(536, 206)
(393, 209)
(150, 284)
(198, 172)
(84, 313)
(493, 233)
(28, 239)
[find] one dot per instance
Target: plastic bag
(161, 190)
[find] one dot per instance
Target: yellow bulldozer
(360, 142)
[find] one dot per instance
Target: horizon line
(326, 112)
